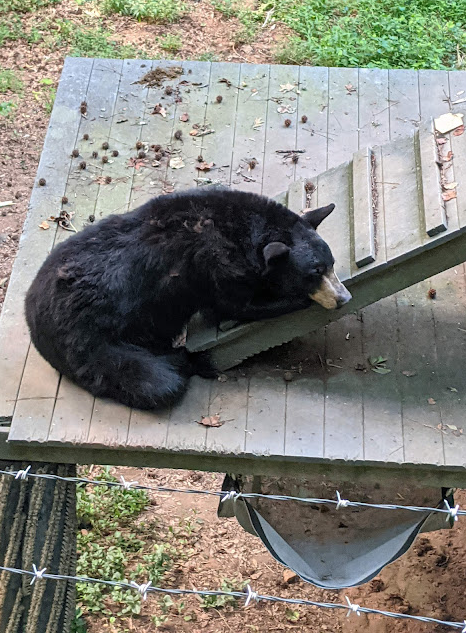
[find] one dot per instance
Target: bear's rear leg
(134, 376)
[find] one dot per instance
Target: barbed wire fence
(249, 595)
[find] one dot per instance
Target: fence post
(37, 526)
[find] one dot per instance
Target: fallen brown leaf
(193, 132)
(211, 420)
(137, 163)
(184, 117)
(447, 157)
(350, 88)
(449, 195)
(44, 225)
(159, 109)
(431, 401)
(205, 166)
(441, 141)
(459, 131)
(409, 373)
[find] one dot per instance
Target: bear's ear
(314, 217)
(274, 253)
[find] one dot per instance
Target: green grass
(85, 42)
(9, 81)
(24, 6)
(249, 18)
(150, 10)
(171, 43)
(393, 34)
(10, 29)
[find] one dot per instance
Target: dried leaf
(137, 163)
(205, 166)
(176, 162)
(450, 185)
(288, 109)
(211, 420)
(441, 140)
(449, 195)
(350, 88)
(193, 132)
(452, 427)
(159, 109)
(184, 117)
(289, 575)
(44, 225)
(257, 123)
(447, 157)
(286, 87)
(453, 389)
(448, 122)
(226, 81)
(431, 401)
(409, 373)
(459, 130)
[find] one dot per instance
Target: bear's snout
(331, 293)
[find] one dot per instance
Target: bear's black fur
(107, 303)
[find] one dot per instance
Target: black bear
(107, 304)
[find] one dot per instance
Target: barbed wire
(451, 513)
(248, 596)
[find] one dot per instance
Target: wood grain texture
(334, 414)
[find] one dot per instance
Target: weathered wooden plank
(343, 114)
(457, 83)
(101, 97)
(296, 196)
(403, 90)
(363, 213)
(374, 106)
(184, 432)
(449, 312)
(403, 230)
(434, 93)
(229, 400)
(35, 243)
(383, 428)
(434, 207)
(155, 129)
(101, 200)
(334, 186)
(218, 147)
(423, 441)
(304, 429)
(265, 433)
(98, 200)
(249, 142)
(194, 103)
(71, 416)
(278, 172)
(109, 424)
(313, 134)
(147, 429)
(31, 423)
(36, 396)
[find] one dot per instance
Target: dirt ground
(428, 580)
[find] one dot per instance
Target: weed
(23, 6)
(172, 43)
(9, 81)
(87, 42)
(11, 29)
(109, 547)
(150, 10)
(6, 108)
(392, 34)
(207, 57)
(215, 602)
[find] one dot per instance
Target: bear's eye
(317, 272)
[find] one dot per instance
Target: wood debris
(448, 122)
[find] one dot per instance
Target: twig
(268, 15)
(6, 204)
(204, 133)
(290, 151)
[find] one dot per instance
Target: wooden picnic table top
(335, 416)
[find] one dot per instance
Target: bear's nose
(343, 298)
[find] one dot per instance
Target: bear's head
(306, 267)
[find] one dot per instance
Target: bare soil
(428, 580)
